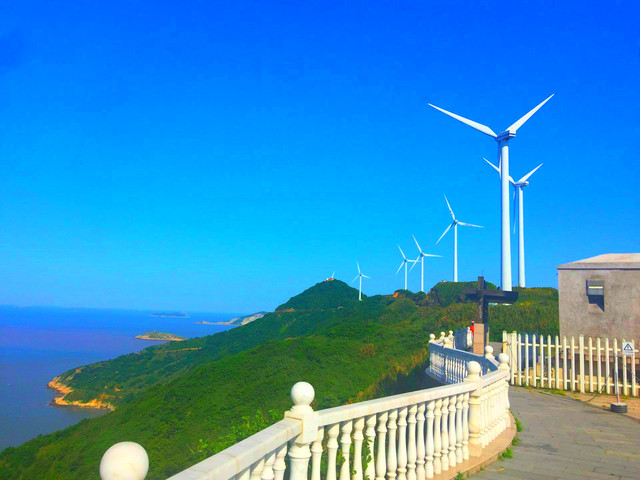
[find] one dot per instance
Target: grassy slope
(332, 349)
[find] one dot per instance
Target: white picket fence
(585, 365)
(412, 436)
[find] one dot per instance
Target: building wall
(621, 316)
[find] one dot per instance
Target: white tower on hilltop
(405, 260)
(361, 276)
(455, 224)
(519, 185)
(503, 156)
(421, 260)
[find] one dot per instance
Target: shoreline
(63, 390)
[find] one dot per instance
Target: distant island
(169, 337)
(234, 322)
(170, 314)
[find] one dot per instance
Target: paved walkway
(567, 440)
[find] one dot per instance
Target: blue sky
(224, 156)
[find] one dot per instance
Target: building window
(595, 295)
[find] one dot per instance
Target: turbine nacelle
(504, 136)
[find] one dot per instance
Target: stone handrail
(412, 435)
(449, 365)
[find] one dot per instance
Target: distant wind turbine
(519, 185)
(503, 155)
(405, 260)
(361, 276)
(421, 260)
(455, 224)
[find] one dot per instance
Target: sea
(39, 343)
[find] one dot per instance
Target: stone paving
(567, 440)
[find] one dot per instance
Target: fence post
(581, 346)
(124, 460)
(302, 394)
(475, 414)
(590, 349)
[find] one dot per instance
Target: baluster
(381, 458)
(452, 431)
(358, 426)
(429, 448)
(316, 455)
(437, 437)
(256, 470)
(267, 472)
(420, 447)
(280, 464)
(243, 475)
(402, 444)
(459, 456)
(445, 434)
(392, 459)
(332, 450)
(345, 445)
(465, 427)
(411, 443)
(475, 412)
(370, 434)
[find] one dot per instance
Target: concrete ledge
(489, 455)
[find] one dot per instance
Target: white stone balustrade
(411, 436)
(450, 365)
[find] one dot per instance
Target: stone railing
(411, 436)
(449, 365)
(462, 339)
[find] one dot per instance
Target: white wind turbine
(405, 260)
(455, 224)
(360, 275)
(503, 155)
(421, 259)
(519, 185)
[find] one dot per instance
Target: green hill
(237, 382)
(323, 295)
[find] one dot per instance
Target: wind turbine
(503, 155)
(455, 224)
(405, 260)
(519, 185)
(360, 275)
(421, 259)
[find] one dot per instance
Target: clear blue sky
(224, 156)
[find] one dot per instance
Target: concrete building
(600, 297)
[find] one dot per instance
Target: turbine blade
(414, 239)
(430, 255)
(400, 267)
(415, 262)
(364, 276)
(449, 206)
(352, 281)
(333, 275)
(520, 122)
(445, 232)
(526, 177)
(469, 225)
(358, 267)
(401, 252)
(497, 169)
(478, 126)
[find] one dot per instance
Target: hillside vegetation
(183, 405)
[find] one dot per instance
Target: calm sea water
(36, 344)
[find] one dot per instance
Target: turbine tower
(360, 275)
(519, 185)
(455, 224)
(421, 260)
(503, 155)
(405, 260)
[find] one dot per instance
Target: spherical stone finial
(442, 334)
(473, 368)
(488, 349)
(302, 394)
(503, 358)
(432, 336)
(450, 332)
(124, 460)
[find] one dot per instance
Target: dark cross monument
(483, 297)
